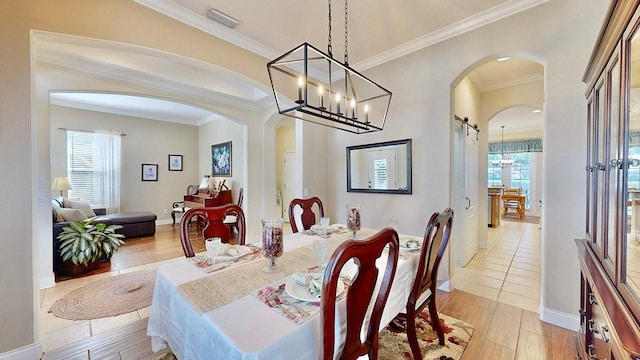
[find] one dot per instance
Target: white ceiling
(270, 28)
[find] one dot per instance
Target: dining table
(232, 309)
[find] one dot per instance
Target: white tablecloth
(245, 328)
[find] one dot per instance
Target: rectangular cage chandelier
(312, 86)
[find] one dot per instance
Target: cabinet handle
(592, 328)
(592, 356)
(605, 331)
(592, 299)
(633, 162)
(599, 166)
(582, 313)
(588, 168)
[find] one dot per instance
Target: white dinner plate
(301, 292)
(242, 251)
(403, 244)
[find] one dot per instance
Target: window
(93, 165)
(515, 175)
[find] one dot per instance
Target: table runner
(223, 287)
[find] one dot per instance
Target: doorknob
(468, 203)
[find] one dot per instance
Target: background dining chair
(423, 292)
(360, 293)
(214, 226)
(178, 206)
(301, 215)
(232, 220)
(511, 200)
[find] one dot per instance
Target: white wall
(562, 34)
(146, 142)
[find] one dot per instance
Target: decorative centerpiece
(272, 244)
(353, 219)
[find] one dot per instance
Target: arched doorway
(481, 93)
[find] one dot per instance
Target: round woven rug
(107, 297)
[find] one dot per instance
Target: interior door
(288, 182)
(470, 243)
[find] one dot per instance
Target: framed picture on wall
(221, 159)
(149, 172)
(175, 162)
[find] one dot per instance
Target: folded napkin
(226, 249)
(409, 243)
(313, 282)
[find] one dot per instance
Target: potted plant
(83, 243)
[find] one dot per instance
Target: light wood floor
(502, 330)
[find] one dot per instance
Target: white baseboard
(447, 286)
(48, 281)
(29, 352)
(167, 222)
(564, 320)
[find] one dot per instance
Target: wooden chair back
(240, 197)
(213, 225)
(512, 192)
(436, 239)
(360, 293)
(307, 216)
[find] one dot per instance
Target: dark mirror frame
(407, 190)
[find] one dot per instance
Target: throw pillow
(83, 206)
(72, 214)
(56, 211)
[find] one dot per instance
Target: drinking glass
(353, 219)
(324, 222)
(213, 247)
(272, 244)
(320, 250)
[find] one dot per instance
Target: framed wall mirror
(380, 168)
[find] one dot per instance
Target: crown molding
(200, 22)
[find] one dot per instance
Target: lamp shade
(61, 183)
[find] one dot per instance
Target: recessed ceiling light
(504, 58)
(536, 111)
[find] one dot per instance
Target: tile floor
(508, 270)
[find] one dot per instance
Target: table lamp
(61, 183)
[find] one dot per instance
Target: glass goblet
(320, 250)
(213, 248)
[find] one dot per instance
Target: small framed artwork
(221, 159)
(149, 172)
(175, 162)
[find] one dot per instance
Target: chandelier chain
(329, 49)
(346, 33)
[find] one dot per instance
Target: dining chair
(511, 200)
(232, 220)
(178, 206)
(362, 290)
(213, 225)
(423, 291)
(301, 215)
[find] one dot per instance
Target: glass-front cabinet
(610, 253)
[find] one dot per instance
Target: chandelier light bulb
(321, 96)
(300, 85)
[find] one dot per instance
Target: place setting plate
(242, 251)
(301, 292)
